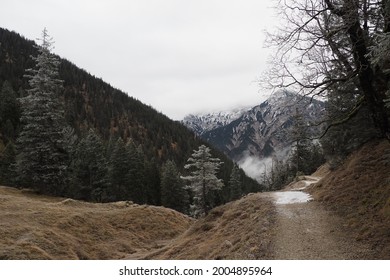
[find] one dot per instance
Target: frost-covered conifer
(203, 179)
(41, 155)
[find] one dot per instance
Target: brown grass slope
(39, 227)
(237, 230)
(359, 192)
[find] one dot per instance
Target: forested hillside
(116, 145)
(92, 103)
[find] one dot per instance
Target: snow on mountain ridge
(203, 122)
(260, 134)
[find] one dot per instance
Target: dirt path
(305, 230)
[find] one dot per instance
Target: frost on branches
(40, 146)
(203, 180)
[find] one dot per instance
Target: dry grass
(38, 227)
(237, 230)
(359, 191)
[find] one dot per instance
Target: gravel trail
(306, 231)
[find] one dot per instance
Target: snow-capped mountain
(261, 132)
(203, 122)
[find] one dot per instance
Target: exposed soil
(306, 231)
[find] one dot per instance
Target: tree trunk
(205, 208)
(372, 87)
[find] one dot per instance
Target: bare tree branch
(326, 44)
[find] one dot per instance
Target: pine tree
(281, 174)
(301, 157)
(127, 173)
(235, 187)
(41, 158)
(119, 172)
(136, 175)
(9, 112)
(173, 193)
(203, 179)
(352, 130)
(90, 168)
(7, 162)
(152, 183)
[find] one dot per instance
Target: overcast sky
(180, 56)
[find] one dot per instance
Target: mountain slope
(92, 103)
(201, 123)
(265, 129)
(359, 192)
(260, 134)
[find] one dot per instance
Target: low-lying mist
(258, 168)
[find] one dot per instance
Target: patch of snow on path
(291, 197)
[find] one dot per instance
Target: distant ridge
(204, 122)
(259, 133)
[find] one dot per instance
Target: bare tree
(326, 45)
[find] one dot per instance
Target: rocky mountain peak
(262, 132)
(203, 122)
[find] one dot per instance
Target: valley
(256, 226)
(88, 171)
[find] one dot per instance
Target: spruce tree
(119, 172)
(235, 187)
(127, 172)
(7, 162)
(136, 173)
(301, 155)
(9, 112)
(90, 168)
(173, 193)
(152, 183)
(352, 130)
(203, 179)
(41, 158)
